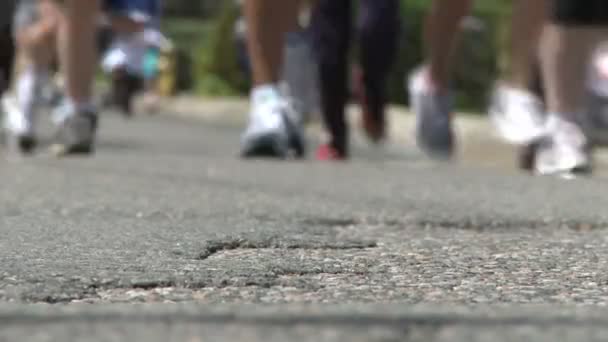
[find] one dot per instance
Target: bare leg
(526, 26)
(565, 54)
(35, 41)
(441, 35)
(266, 30)
(77, 52)
(77, 56)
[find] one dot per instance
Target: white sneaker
(517, 114)
(564, 151)
(19, 128)
(15, 120)
(274, 129)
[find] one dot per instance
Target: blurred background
(208, 61)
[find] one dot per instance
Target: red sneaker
(326, 152)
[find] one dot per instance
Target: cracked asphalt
(386, 247)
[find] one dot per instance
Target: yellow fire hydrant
(167, 70)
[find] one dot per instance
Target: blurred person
(299, 74)
(157, 44)
(377, 30)
(7, 44)
(555, 131)
(77, 56)
(597, 127)
(135, 30)
(78, 119)
(516, 110)
(298, 77)
(274, 128)
(40, 23)
(574, 31)
(36, 26)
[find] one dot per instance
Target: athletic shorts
(7, 56)
(580, 12)
(7, 8)
(139, 10)
(151, 60)
(26, 14)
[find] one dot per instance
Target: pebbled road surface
(386, 247)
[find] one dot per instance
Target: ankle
(436, 79)
(263, 93)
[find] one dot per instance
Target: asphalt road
(386, 247)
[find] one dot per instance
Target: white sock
(563, 127)
(555, 119)
(70, 108)
(75, 107)
(28, 87)
(265, 100)
(27, 91)
(263, 93)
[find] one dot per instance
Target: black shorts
(7, 56)
(580, 12)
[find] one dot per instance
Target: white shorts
(126, 51)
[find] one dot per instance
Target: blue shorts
(147, 8)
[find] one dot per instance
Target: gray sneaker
(76, 134)
(20, 144)
(434, 132)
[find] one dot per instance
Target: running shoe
(76, 132)
(564, 151)
(433, 109)
(19, 128)
(517, 114)
(274, 130)
(326, 152)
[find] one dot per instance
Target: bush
(217, 68)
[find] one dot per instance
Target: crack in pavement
(213, 247)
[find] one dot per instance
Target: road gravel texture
(165, 227)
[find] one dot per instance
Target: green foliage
(208, 44)
(189, 36)
(217, 69)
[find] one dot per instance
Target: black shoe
(124, 88)
(21, 144)
(527, 156)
